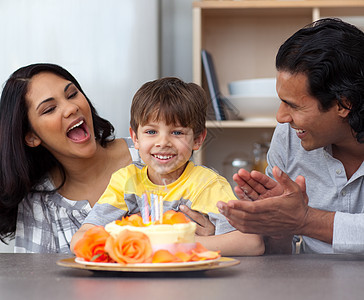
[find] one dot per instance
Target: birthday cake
(174, 238)
(130, 241)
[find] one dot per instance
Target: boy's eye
(177, 132)
(151, 131)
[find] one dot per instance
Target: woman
(56, 159)
(57, 156)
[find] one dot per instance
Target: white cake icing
(174, 238)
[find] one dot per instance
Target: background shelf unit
(243, 38)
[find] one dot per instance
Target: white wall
(176, 38)
(110, 46)
(4, 248)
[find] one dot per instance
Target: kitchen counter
(37, 276)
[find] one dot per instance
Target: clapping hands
(277, 209)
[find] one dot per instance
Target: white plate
(146, 265)
(222, 262)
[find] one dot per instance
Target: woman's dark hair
(22, 167)
(330, 53)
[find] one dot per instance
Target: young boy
(167, 124)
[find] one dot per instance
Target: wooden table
(294, 277)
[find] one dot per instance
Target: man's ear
(199, 140)
(343, 111)
(32, 140)
(134, 137)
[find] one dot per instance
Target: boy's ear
(134, 137)
(199, 140)
(32, 140)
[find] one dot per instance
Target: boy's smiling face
(166, 149)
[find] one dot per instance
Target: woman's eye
(48, 110)
(72, 95)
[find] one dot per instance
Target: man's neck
(351, 155)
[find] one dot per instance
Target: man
(319, 144)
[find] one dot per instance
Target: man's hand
(280, 215)
(255, 185)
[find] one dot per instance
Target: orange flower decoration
(201, 253)
(133, 220)
(173, 217)
(164, 256)
(129, 247)
(91, 246)
(197, 254)
(183, 256)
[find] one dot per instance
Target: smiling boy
(167, 124)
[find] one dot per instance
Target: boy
(167, 124)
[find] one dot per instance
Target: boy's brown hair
(169, 98)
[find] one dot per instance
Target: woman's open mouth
(78, 132)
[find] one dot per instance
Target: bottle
(233, 163)
(260, 156)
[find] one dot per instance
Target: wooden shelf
(278, 4)
(242, 124)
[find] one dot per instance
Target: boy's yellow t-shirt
(200, 188)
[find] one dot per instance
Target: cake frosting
(174, 238)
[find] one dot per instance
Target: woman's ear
(134, 137)
(199, 140)
(32, 140)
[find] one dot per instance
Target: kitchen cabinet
(243, 38)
